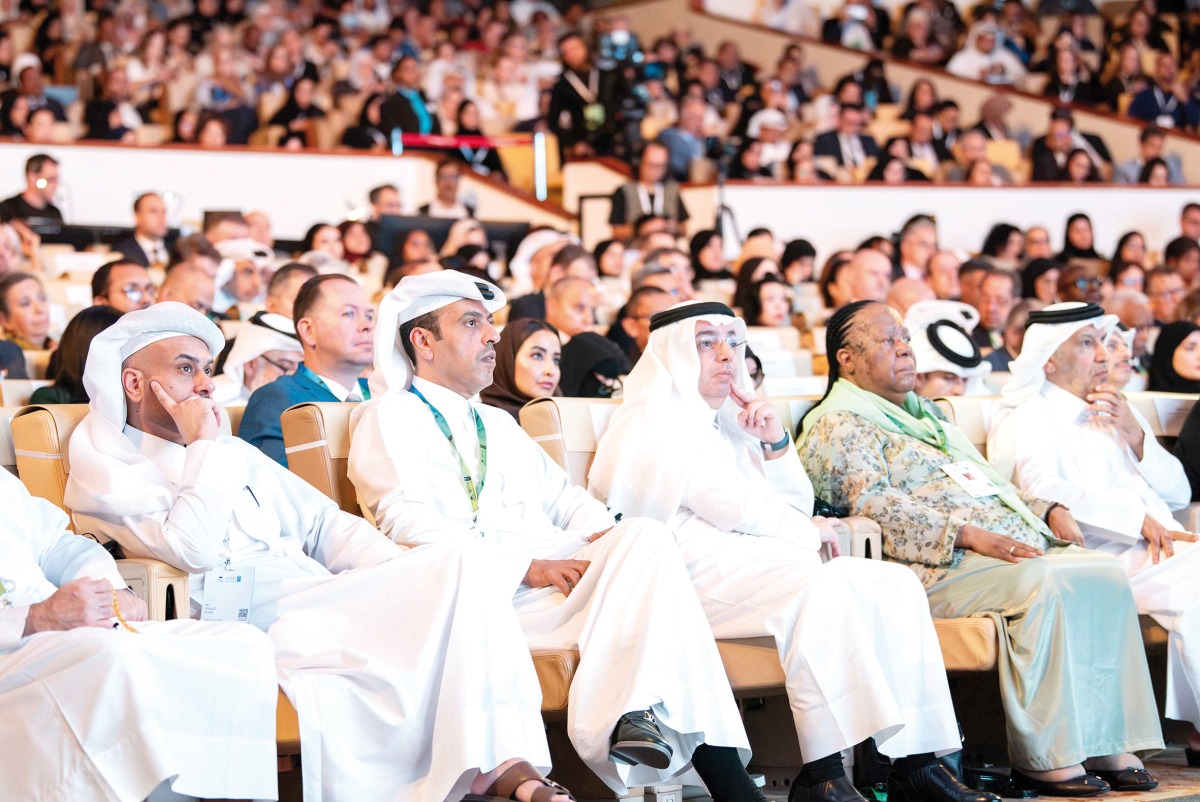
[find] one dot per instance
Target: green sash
(916, 420)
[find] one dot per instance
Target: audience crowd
(703, 512)
(327, 75)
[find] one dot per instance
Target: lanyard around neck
(473, 490)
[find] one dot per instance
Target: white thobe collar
(168, 456)
(459, 415)
(1067, 408)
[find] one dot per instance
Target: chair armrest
(163, 588)
(864, 540)
(1189, 517)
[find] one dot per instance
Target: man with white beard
(692, 447)
(1067, 433)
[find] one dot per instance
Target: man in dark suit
(1049, 153)
(148, 244)
(334, 321)
(923, 145)
(407, 108)
(847, 144)
(12, 361)
(1166, 101)
(583, 101)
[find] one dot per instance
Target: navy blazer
(261, 425)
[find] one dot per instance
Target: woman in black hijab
(298, 113)
(1078, 239)
(708, 257)
(482, 159)
(1039, 280)
(592, 366)
(749, 274)
(104, 122)
(523, 374)
(367, 135)
(1176, 364)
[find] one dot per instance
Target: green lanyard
(473, 491)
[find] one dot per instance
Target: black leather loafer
(1083, 785)
(839, 790)
(1193, 757)
(638, 741)
(932, 783)
(1129, 779)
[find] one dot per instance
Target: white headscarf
(1029, 374)
(1041, 341)
(520, 267)
(412, 297)
(262, 333)
(240, 250)
(926, 316)
(663, 412)
(107, 471)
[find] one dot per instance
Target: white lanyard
(588, 93)
(1168, 107)
(644, 199)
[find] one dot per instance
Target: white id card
(228, 595)
(970, 479)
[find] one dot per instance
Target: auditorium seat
(41, 435)
(16, 392)
(8, 459)
(36, 363)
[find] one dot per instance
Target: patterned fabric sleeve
(847, 461)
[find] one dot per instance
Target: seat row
(317, 439)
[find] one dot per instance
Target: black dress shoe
(839, 790)
(932, 783)
(1193, 757)
(637, 741)
(1129, 779)
(1083, 785)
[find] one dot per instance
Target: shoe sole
(640, 753)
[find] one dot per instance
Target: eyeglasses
(1087, 283)
(135, 293)
(288, 368)
(1178, 292)
(709, 344)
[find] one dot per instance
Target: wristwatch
(780, 446)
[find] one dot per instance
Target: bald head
(179, 367)
(907, 291)
(867, 277)
(190, 286)
(571, 306)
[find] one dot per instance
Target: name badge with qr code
(971, 479)
(228, 595)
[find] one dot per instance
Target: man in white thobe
(434, 466)
(692, 447)
(1065, 433)
(94, 712)
(408, 669)
(266, 347)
